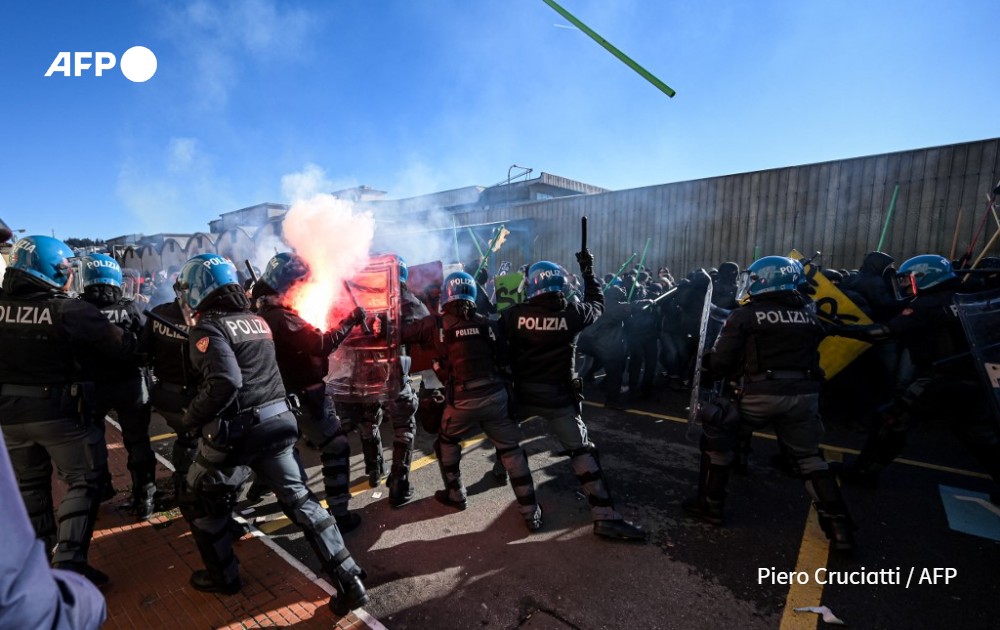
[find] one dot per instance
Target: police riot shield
(425, 282)
(712, 320)
(980, 315)
(366, 366)
(76, 284)
(131, 279)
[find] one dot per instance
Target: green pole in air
(622, 268)
(645, 74)
(642, 261)
(888, 218)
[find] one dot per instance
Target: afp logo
(138, 64)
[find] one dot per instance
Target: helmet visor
(743, 286)
(905, 286)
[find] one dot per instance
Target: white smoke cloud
(173, 189)
(181, 154)
(307, 183)
(221, 38)
(334, 238)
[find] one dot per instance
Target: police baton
(364, 323)
(583, 229)
(166, 322)
(250, 269)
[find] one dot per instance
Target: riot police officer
(245, 422)
(945, 383)
(770, 347)
(175, 384)
(401, 410)
(44, 416)
(122, 386)
(302, 352)
(465, 348)
(541, 334)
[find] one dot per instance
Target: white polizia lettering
(241, 327)
(163, 331)
(542, 323)
(25, 315)
(783, 317)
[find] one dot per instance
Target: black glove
(357, 316)
(586, 261)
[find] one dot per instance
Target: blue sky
(414, 97)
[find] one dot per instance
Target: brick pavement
(150, 563)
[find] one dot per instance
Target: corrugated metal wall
(838, 208)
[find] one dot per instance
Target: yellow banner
(835, 353)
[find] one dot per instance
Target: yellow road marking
(269, 527)
(813, 554)
(825, 447)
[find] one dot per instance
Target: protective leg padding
(587, 469)
(216, 550)
(76, 518)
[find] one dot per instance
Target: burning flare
(334, 239)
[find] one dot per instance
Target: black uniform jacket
(44, 337)
(233, 354)
(777, 333)
(542, 339)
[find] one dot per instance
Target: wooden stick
(954, 239)
(982, 254)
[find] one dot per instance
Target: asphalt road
(431, 566)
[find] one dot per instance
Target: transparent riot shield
(131, 279)
(980, 315)
(425, 282)
(76, 285)
(365, 368)
(712, 320)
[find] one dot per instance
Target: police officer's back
(122, 386)
(541, 335)
(302, 352)
(44, 336)
(770, 348)
(467, 355)
(245, 422)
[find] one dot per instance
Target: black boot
(351, 593)
(400, 490)
(374, 461)
(143, 492)
(206, 582)
(832, 512)
(709, 502)
(221, 572)
(619, 529)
